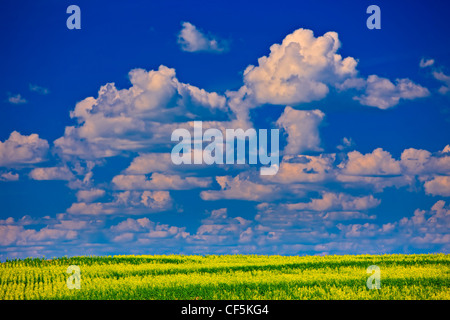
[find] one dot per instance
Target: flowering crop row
(228, 277)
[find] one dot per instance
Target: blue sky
(86, 119)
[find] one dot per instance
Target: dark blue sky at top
(117, 36)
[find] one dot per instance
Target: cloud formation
(318, 202)
(144, 232)
(383, 94)
(302, 130)
(438, 185)
(9, 176)
(304, 169)
(238, 188)
(89, 195)
(303, 68)
(445, 79)
(20, 150)
(191, 39)
(379, 162)
(126, 203)
(16, 99)
(426, 62)
(300, 69)
(38, 89)
(51, 173)
(134, 119)
(158, 181)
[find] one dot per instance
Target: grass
(231, 277)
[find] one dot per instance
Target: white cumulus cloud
(51, 173)
(192, 39)
(20, 149)
(302, 129)
(383, 94)
(300, 69)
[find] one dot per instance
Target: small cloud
(51, 173)
(239, 188)
(89, 195)
(9, 176)
(438, 75)
(193, 40)
(346, 143)
(445, 79)
(383, 94)
(38, 89)
(426, 63)
(438, 186)
(20, 150)
(302, 129)
(16, 99)
(377, 163)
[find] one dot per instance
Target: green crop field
(228, 277)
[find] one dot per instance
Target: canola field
(228, 277)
